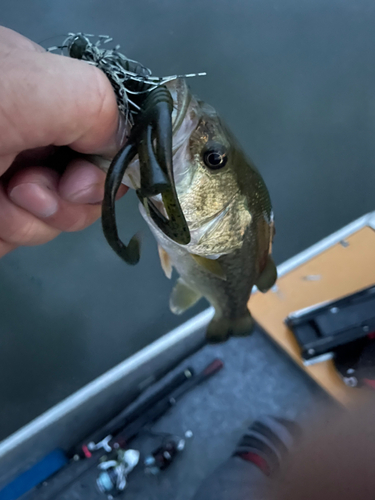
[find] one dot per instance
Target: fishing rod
(131, 431)
(93, 442)
(121, 440)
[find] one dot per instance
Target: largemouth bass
(228, 212)
(205, 202)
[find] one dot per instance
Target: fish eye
(215, 158)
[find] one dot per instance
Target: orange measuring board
(342, 269)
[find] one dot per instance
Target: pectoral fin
(165, 262)
(182, 297)
(268, 277)
(210, 265)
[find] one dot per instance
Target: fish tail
(220, 329)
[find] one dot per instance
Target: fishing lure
(147, 106)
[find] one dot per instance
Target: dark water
(294, 79)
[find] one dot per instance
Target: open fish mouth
(156, 202)
(161, 117)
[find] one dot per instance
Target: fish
(228, 211)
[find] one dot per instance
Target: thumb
(51, 99)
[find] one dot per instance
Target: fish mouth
(160, 118)
(162, 204)
(165, 211)
(181, 99)
(158, 206)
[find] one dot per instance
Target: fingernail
(36, 199)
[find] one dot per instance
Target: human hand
(46, 102)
